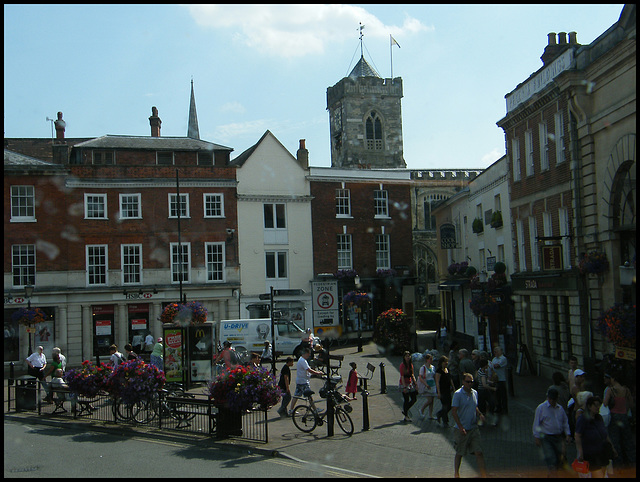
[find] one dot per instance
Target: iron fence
(191, 413)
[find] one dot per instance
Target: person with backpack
(116, 357)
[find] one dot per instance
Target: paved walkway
(393, 448)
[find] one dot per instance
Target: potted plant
(191, 313)
(88, 380)
(346, 273)
(386, 273)
(496, 219)
(458, 269)
(134, 381)
(593, 262)
(477, 226)
(392, 331)
(357, 298)
(238, 390)
(618, 324)
(483, 304)
(28, 316)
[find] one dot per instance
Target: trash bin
(26, 391)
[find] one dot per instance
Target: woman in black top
(444, 384)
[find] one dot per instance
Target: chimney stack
(60, 127)
(303, 155)
(155, 122)
(554, 49)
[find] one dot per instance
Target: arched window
(373, 131)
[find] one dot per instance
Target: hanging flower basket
(191, 313)
(618, 324)
(346, 273)
(356, 298)
(386, 273)
(496, 219)
(134, 381)
(392, 329)
(483, 304)
(458, 269)
(88, 380)
(242, 388)
(28, 316)
(593, 262)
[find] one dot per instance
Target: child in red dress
(352, 383)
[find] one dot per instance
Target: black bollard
(365, 410)
(11, 373)
(330, 414)
(383, 379)
(97, 360)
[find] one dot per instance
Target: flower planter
(228, 423)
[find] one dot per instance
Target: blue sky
(268, 67)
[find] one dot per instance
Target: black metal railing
(191, 413)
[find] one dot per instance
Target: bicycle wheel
(344, 421)
(123, 411)
(145, 411)
(304, 418)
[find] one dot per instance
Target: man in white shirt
(36, 363)
(303, 376)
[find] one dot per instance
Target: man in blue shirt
(464, 409)
(550, 422)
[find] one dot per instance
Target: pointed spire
(192, 130)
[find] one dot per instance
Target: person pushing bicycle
(303, 377)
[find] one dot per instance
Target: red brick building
(92, 225)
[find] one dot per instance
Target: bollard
(97, 360)
(330, 414)
(383, 379)
(510, 381)
(365, 410)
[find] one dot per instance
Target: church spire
(192, 129)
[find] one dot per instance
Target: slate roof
(151, 143)
(363, 69)
(15, 160)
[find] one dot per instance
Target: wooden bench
(363, 379)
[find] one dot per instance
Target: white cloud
(233, 107)
(491, 157)
(235, 129)
(296, 30)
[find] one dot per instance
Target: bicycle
(145, 411)
(307, 417)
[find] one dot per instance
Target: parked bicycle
(170, 405)
(307, 417)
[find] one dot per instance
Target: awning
(452, 284)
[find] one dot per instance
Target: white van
(250, 334)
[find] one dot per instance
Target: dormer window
(103, 158)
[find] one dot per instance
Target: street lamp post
(28, 292)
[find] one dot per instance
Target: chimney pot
(562, 38)
(573, 38)
(552, 38)
(155, 122)
(60, 126)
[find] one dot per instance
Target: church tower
(365, 119)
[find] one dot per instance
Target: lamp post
(28, 292)
(482, 277)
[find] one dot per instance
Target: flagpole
(391, 54)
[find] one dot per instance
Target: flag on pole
(393, 41)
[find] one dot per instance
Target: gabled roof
(151, 143)
(363, 69)
(242, 158)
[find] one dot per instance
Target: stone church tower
(366, 120)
